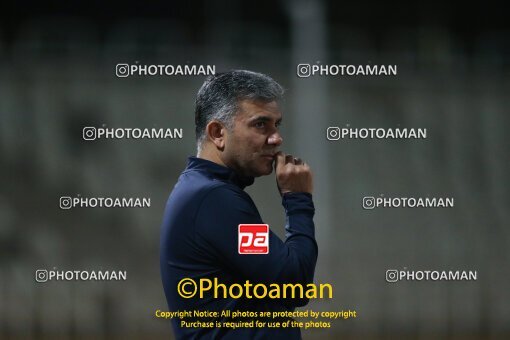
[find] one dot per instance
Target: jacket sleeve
(292, 261)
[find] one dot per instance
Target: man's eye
(260, 124)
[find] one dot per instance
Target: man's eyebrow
(261, 118)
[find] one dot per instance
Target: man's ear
(216, 134)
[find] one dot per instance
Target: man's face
(251, 145)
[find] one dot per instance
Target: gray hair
(220, 94)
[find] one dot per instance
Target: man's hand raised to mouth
(292, 174)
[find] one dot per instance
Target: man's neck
(210, 155)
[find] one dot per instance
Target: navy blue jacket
(199, 239)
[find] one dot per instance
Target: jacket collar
(218, 171)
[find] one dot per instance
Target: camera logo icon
(333, 133)
(304, 70)
(391, 275)
(41, 275)
(122, 70)
(368, 202)
(66, 202)
(89, 133)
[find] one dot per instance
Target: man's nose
(275, 139)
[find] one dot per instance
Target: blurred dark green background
(57, 75)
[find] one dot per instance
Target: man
(237, 118)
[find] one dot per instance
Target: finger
(279, 160)
(289, 159)
(298, 161)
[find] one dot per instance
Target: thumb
(279, 160)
